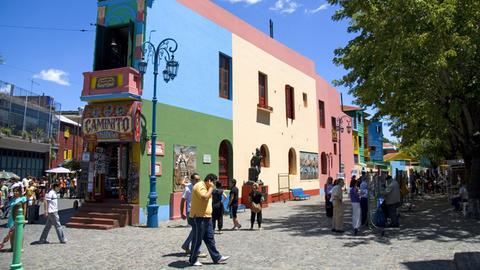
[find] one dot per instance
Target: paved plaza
(296, 235)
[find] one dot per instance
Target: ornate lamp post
(165, 49)
(340, 129)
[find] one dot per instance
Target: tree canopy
(417, 62)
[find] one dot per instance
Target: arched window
(323, 160)
(292, 161)
(266, 156)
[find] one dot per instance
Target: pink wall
(242, 29)
(331, 97)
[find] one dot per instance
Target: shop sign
(106, 82)
(112, 122)
(159, 150)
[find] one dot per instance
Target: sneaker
(40, 242)
(223, 259)
(202, 255)
(63, 242)
(197, 263)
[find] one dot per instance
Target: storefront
(112, 131)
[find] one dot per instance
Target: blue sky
(56, 59)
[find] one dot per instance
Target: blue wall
(200, 42)
(375, 138)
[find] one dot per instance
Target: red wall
(74, 142)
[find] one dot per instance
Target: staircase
(104, 216)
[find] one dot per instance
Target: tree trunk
(472, 170)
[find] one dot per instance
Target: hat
(341, 176)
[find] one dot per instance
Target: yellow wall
(280, 135)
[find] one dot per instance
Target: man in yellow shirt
(201, 213)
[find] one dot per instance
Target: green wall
(180, 126)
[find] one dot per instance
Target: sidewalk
(296, 235)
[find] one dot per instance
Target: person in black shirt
(217, 206)
(233, 204)
(255, 198)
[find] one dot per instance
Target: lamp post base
(152, 216)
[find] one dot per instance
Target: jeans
(188, 241)
(392, 214)
(217, 217)
(364, 206)
(259, 219)
(203, 230)
(53, 219)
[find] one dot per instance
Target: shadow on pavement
(433, 219)
(179, 264)
(434, 264)
(177, 254)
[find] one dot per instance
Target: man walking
(201, 212)
(187, 201)
(233, 204)
(392, 200)
(364, 197)
(51, 214)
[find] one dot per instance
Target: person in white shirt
(185, 205)
(51, 214)
(337, 198)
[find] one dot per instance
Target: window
(360, 141)
(262, 90)
(225, 64)
(114, 46)
(292, 161)
(305, 100)
(359, 116)
(321, 112)
(290, 101)
(334, 148)
(324, 163)
(266, 156)
(378, 129)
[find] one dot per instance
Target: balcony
(112, 84)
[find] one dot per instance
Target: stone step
(91, 220)
(89, 226)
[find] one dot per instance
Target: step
(108, 205)
(90, 220)
(116, 216)
(89, 226)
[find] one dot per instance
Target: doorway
(225, 163)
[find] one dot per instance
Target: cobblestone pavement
(296, 235)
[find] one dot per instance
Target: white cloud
(53, 75)
(285, 6)
(321, 7)
(249, 2)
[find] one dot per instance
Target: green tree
(417, 62)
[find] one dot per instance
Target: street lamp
(165, 49)
(340, 129)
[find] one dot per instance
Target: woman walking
(256, 199)
(337, 199)
(356, 208)
(327, 188)
(17, 201)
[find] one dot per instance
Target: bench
(226, 210)
(299, 194)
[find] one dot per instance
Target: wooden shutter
(288, 101)
(99, 47)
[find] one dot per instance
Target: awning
(58, 170)
(398, 156)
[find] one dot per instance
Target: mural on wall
(185, 163)
(308, 165)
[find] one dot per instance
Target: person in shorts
(233, 204)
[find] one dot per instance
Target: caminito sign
(114, 122)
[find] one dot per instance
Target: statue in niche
(255, 166)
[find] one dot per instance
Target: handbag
(256, 207)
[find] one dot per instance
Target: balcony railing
(118, 84)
